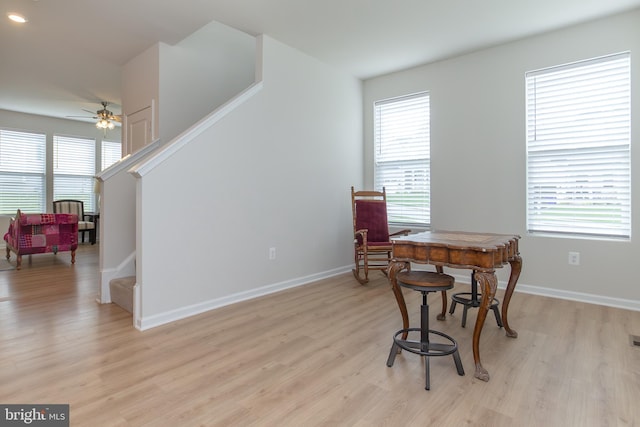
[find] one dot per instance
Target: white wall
(200, 73)
(478, 153)
(179, 82)
(276, 172)
(118, 220)
(117, 229)
(189, 80)
(141, 84)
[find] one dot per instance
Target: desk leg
(516, 268)
(394, 268)
(489, 283)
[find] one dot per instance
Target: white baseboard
(148, 322)
(561, 294)
(580, 296)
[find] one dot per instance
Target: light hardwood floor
(310, 356)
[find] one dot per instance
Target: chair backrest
(70, 207)
(369, 210)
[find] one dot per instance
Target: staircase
(122, 292)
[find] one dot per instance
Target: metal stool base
(468, 299)
(426, 349)
(425, 282)
(473, 299)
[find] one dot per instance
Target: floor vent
(635, 340)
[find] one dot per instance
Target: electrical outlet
(272, 253)
(574, 258)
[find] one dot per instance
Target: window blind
(111, 153)
(22, 171)
(74, 168)
(578, 148)
(402, 157)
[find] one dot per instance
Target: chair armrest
(404, 232)
(363, 235)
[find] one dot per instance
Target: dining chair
(86, 222)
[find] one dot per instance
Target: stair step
(122, 292)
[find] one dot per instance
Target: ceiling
(68, 56)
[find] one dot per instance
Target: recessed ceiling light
(17, 18)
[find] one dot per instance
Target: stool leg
(392, 354)
(464, 315)
(473, 298)
(424, 337)
(427, 384)
(453, 306)
(458, 362)
(497, 313)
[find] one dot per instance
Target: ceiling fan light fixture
(16, 17)
(105, 124)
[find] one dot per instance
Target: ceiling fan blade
(102, 114)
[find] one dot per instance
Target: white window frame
(22, 171)
(578, 149)
(402, 157)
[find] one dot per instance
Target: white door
(139, 129)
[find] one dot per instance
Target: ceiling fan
(105, 118)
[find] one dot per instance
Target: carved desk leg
(443, 315)
(516, 268)
(394, 268)
(489, 283)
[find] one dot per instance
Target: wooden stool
(425, 282)
(473, 299)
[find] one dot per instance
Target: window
(111, 153)
(22, 171)
(74, 169)
(402, 157)
(578, 148)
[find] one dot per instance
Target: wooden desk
(481, 252)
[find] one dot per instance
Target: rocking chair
(372, 243)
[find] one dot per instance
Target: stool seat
(419, 280)
(425, 282)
